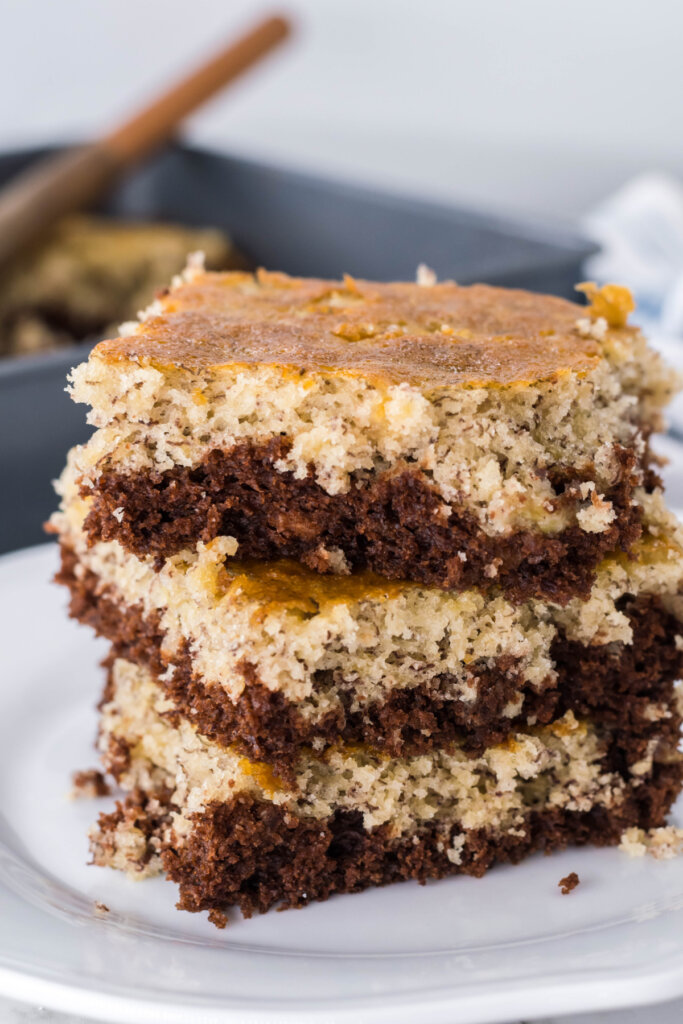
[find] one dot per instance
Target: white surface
(525, 104)
(462, 950)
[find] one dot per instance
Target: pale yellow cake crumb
(662, 843)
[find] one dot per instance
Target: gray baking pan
(282, 220)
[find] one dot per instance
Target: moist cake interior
(390, 584)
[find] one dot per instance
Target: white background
(539, 106)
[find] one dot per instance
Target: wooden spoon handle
(68, 181)
(158, 121)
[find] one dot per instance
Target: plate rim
(608, 990)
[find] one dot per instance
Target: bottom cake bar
(231, 832)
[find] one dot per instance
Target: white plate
(509, 945)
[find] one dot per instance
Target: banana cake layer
(448, 435)
(270, 656)
(231, 832)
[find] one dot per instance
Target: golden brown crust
(287, 584)
(442, 335)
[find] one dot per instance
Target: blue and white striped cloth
(640, 232)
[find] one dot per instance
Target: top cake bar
(453, 436)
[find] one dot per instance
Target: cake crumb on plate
(569, 883)
(89, 783)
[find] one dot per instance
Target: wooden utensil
(71, 180)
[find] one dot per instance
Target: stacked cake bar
(389, 581)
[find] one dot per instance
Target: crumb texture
(663, 843)
(89, 783)
(628, 686)
(565, 764)
(388, 635)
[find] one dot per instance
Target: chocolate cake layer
(617, 684)
(395, 523)
(253, 855)
(258, 858)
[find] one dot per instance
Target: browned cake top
(432, 336)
